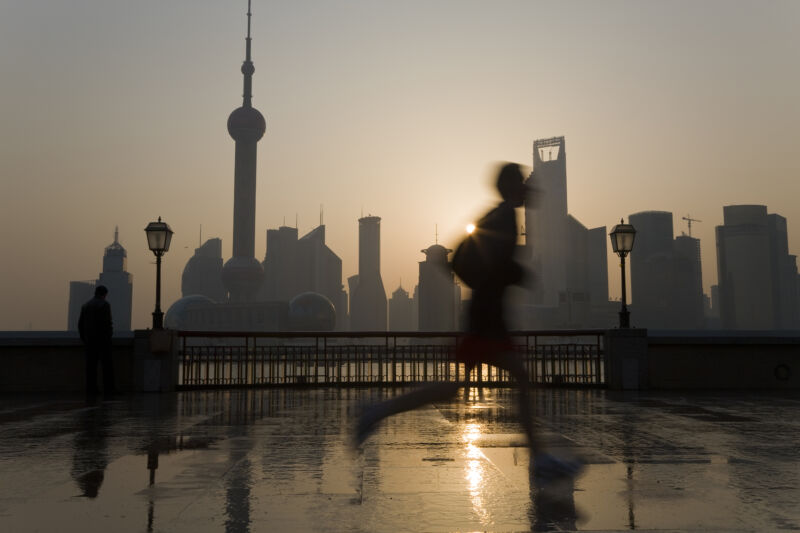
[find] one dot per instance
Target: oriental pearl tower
(242, 274)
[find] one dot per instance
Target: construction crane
(689, 219)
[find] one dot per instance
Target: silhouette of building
(437, 289)
(242, 274)
(203, 272)
(688, 297)
(401, 311)
(546, 223)
(666, 275)
(117, 280)
(293, 266)
(757, 276)
(568, 262)
(80, 292)
(367, 295)
(280, 265)
(300, 280)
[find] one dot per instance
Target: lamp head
(159, 236)
(622, 237)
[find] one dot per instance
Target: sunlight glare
(470, 228)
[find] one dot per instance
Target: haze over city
(113, 113)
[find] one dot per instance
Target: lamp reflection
(475, 469)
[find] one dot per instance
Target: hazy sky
(114, 112)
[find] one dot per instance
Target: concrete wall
(723, 362)
(57, 363)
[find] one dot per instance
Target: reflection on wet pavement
(278, 460)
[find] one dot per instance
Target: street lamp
(159, 236)
(622, 236)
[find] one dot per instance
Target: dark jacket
(497, 238)
(94, 324)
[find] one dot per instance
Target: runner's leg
(510, 362)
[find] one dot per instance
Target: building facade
(437, 289)
(116, 279)
(757, 276)
(568, 286)
(367, 295)
(401, 311)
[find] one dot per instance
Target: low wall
(32, 364)
(57, 363)
(720, 362)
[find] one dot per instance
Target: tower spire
(116, 234)
(247, 67)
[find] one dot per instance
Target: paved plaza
(279, 460)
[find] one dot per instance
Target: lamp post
(159, 236)
(622, 237)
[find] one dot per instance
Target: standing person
(95, 328)
(489, 268)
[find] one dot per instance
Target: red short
(475, 349)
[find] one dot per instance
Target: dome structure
(246, 124)
(436, 253)
(311, 311)
(177, 315)
(243, 276)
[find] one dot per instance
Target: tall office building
(202, 273)
(293, 266)
(546, 223)
(401, 311)
(437, 310)
(666, 275)
(280, 265)
(118, 282)
(757, 276)
(367, 295)
(687, 287)
(80, 292)
(242, 274)
(651, 270)
(569, 285)
(116, 279)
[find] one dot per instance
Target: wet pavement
(279, 460)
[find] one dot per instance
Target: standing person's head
(100, 291)
(511, 184)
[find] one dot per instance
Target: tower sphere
(246, 124)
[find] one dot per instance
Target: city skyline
(392, 110)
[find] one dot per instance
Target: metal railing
(233, 359)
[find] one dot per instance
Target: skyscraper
(401, 311)
(666, 275)
(546, 220)
(293, 266)
(569, 282)
(202, 273)
(242, 274)
(80, 292)
(117, 280)
(651, 270)
(687, 295)
(757, 276)
(367, 295)
(437, 310)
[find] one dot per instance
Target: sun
(470, 228)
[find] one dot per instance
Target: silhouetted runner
(487, 264)
(95, 328)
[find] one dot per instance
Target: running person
(487, 340)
